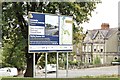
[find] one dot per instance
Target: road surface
(83, 72)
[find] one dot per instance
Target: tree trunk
(29, 69)
(24, 29)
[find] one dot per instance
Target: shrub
(97, 61)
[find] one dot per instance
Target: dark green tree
(15, 26)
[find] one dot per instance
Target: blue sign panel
(37, 20)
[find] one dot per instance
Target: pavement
(98, 71)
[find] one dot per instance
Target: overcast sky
(106, 12)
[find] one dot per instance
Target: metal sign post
(57, 66)
(67, 66)
(33, 65)
(41, 37)
(46, 65)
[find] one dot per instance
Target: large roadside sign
(49, 33)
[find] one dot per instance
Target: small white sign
(36, 30)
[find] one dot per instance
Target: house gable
(88, 37)
(98, 37)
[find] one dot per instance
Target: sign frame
(37, 51)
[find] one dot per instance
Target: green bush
(73, 63)
(97, 61)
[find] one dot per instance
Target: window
(118, 38)
(100, 36)
(101, 50)
(98, 47)
(98, 50)
(89, 60)
(83, 48)
(89, 48)
(94, 50)
(86, 50)
(118, 48)
(8, 70)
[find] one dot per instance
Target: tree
(15, 26)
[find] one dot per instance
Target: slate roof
(105, 32)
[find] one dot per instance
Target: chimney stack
(104, 26)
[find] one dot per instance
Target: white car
(50, 68)
(7, 71)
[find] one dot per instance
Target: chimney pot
(105, 26)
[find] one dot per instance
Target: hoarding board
(49, 33)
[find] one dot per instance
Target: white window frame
(94, 48)
(118, 38)
(118, 48)
(89, 48)
(102, 47)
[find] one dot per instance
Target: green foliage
(61, 64)
(13, 41)
(14, 55)
(78, 35)
(51, 59)
(101, 77)
(97, 61)
(15, 27)
(75, 63)
(1, 52)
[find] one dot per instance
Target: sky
(106, 12)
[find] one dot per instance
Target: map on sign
(66, 30)
(49, 33)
